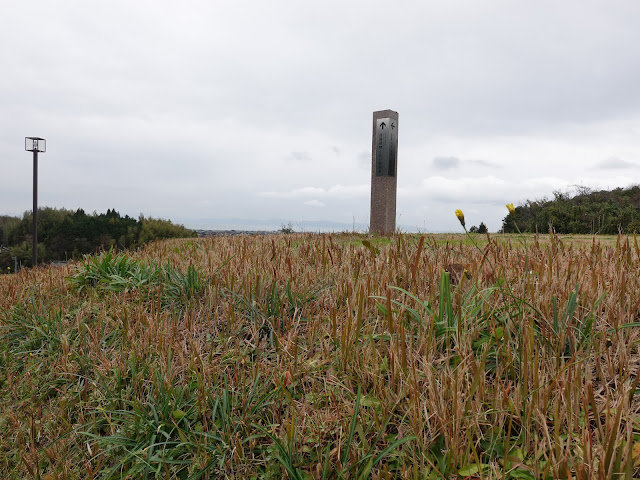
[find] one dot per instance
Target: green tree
(153, 228)
(65, 234)
(587, 211)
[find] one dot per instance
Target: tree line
(66, 234)
(584, 211)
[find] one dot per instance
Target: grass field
(326, 356)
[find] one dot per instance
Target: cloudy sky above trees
(224, 113)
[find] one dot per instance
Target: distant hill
(585, 211)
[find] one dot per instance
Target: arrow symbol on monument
(382, 125)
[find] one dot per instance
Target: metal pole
(35, 208)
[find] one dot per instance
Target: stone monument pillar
(384, 170)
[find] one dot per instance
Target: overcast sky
(215, 112)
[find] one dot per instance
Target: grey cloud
(299, 157)
(335, 191)
(446, 163)
(614, 163)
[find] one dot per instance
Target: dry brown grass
(328, 356)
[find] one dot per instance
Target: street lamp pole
(35, 209)
(35, 145)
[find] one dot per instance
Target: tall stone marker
(384, 170)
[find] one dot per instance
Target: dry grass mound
(325, 356)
